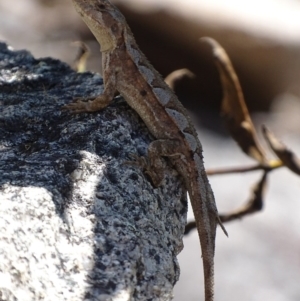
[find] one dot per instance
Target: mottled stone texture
(76, 223)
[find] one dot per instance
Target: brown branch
(228, 170)
(82, 56)
(271, 165)
(233, 108)
(178, 75)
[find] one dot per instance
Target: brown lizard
(127, 71)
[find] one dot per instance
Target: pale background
(261, 258)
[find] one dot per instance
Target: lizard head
(104, 20)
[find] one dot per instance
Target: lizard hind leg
(153, 164)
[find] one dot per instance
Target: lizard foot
(90, 104)
(79, 105)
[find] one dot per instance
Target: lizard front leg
(92, 104)
(153, 164)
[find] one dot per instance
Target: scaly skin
(126, 70)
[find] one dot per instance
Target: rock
(76, 222)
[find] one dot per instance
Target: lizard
(127, 71)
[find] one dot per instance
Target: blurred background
(261, 258)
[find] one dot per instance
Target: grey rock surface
(76, 223)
